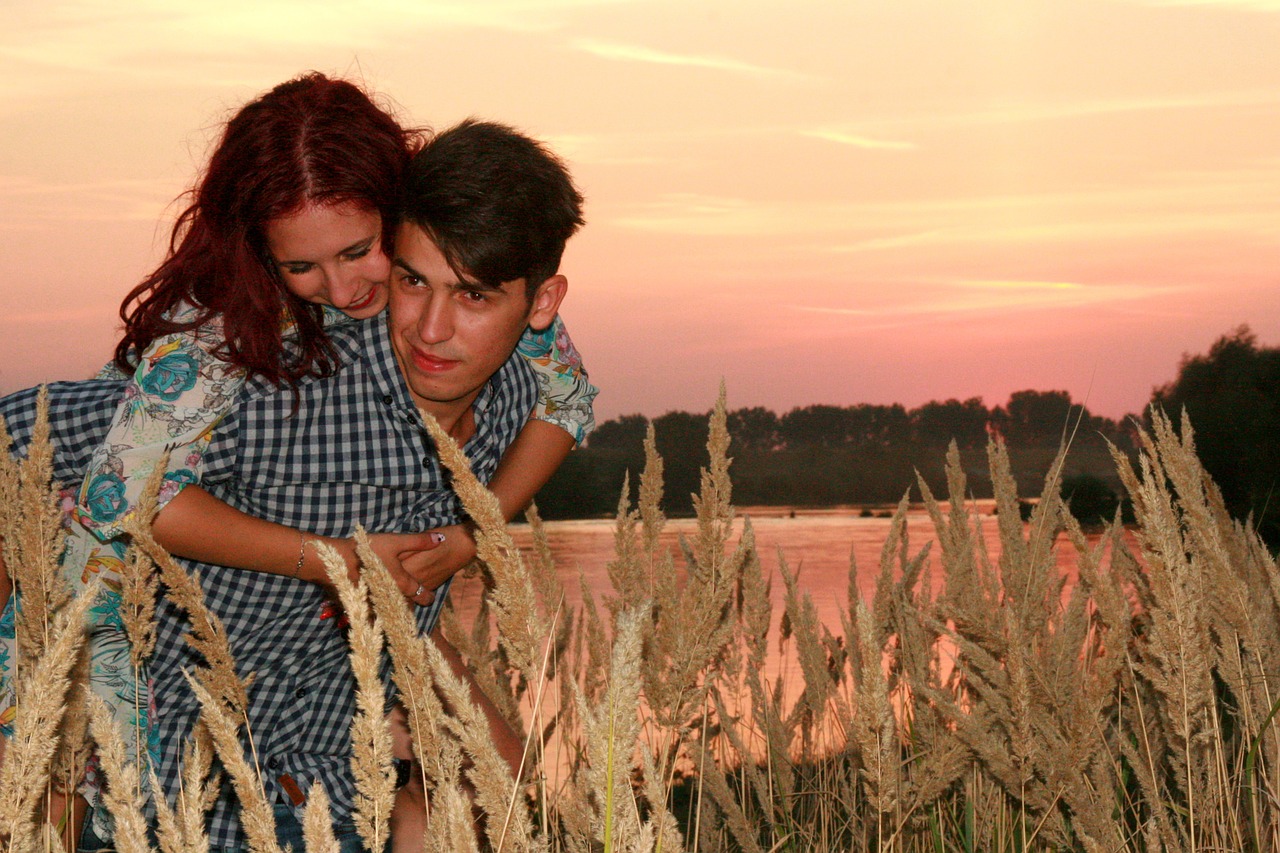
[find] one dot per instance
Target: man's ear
(546, 302)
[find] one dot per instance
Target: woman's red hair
(311, 140)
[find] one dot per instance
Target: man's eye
(411, 280)
(476, 296)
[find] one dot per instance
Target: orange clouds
(820, 202)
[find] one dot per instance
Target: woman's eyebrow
(354, 247)
(358, 245)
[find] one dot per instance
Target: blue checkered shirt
(355, 451)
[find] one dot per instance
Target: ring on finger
(421, 589)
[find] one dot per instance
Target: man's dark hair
(499, 205)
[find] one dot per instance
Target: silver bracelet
(302, 554)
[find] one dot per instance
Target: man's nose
(435, 324)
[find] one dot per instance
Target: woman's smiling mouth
(365, 301)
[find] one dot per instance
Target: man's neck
(458, 421)
(464, 426)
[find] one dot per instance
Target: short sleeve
(177, 395)
(564, 393)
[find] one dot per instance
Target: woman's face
(332, 255)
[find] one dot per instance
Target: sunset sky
(821, 201)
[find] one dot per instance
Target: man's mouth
(428, 363)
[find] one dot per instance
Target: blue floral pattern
(169, 376)
(104, 497)
(565, 395)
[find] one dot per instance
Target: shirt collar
(379, 357)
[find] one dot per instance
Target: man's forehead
(416, 250)
(447, 278)
(412, 229)
(419, 255)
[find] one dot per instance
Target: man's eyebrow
(460, 284)
(466, 284)
(404, 265)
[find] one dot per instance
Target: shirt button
(426, 462)
(300, 692)
(273, 763)
(387, 399)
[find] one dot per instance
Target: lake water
(815, 543)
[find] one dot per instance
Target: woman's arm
(177, 395)
(528, 464)
(565, 395)
(198, 526)
(561, 419)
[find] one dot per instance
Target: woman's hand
(199, 526)
(432, 567)
(393, 549)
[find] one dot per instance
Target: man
(485, 217)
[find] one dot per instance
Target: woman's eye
(297, 269)
(357, 254)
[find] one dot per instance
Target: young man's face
(451, 335)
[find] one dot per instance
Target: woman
(287, 233)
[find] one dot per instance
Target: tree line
(824, 455)
(866, 454)
(1231, 396)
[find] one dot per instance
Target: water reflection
(819, 545)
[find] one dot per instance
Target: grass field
(972, 704)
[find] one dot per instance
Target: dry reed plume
(370, 735)
(48, 736)
(974, 702)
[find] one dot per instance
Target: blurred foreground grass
(974, 703)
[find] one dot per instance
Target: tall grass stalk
(370, 734)
(975, 701)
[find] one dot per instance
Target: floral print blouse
(180, 391)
